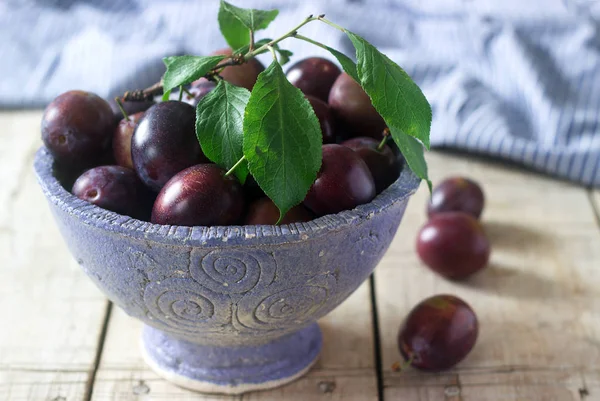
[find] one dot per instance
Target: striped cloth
(514, 79)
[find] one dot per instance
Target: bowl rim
(92, 215)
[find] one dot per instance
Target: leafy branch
(272, 132)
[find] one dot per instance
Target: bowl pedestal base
(231, 370)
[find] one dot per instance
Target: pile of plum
(453, 242)
(442, 330)
(145, 161)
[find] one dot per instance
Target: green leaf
(252, 19)
(182, 70)
(282, 139)
(347, 64)
(232, 29)
(413, 153)
(219, 126)
(393, 93)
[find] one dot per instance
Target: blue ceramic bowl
(227, 309)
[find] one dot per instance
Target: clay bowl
(227, 309)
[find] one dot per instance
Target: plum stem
(145, 94)
(336, 26)
(309, 40)
(386, 137)
(407, 363)
(292, 32)
(233, 60)
(251, 46)
(273, 53)
(120, 105)
(180, 92)
(236, 165)
(187, 92)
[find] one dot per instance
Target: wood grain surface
(538, 302)
(52, 315)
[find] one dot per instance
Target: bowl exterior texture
(226, 286)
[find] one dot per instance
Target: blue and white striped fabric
(519, 80)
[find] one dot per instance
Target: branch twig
(143, 95)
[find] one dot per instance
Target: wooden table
(538, 302)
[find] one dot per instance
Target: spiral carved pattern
(282, 310)
(182, 306)
(233, 271)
